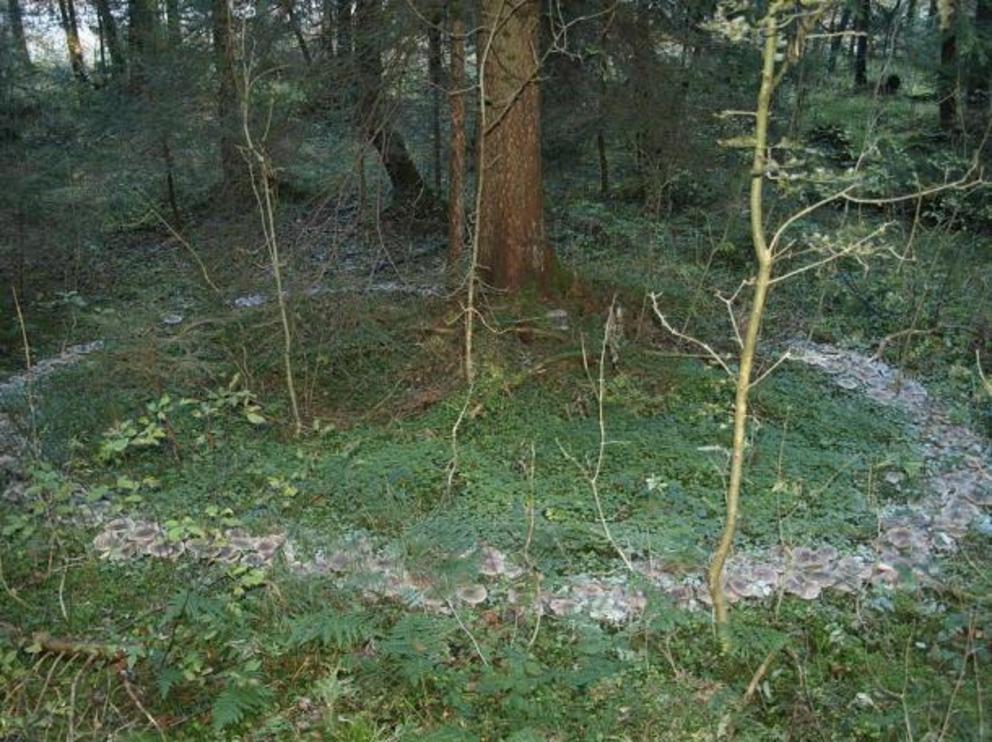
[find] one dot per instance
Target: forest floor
(197, 571)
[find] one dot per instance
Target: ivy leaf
(254, 418)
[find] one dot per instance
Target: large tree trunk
(947, 73)
(456, 163)
(861, 55)
(373, 121)
(228, 116)
(16, 18)
(513, 251)
(67, 16)
(112, 37)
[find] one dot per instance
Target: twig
(263, 197)
(72, 699)
(725, 728)
(7, 589)
(782, 359)
(880, 350)
(453, 464)
(968, 651)
(185, 243)
(122, 674)
(28, 373)
(478, 649)
(599, 388)
(981, 374)
(688, 338)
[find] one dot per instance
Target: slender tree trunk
(15, 16)
(344, 29)
(835, 42)
(762, 282)
(408, 186)
(456, 164)
(111, 35)
(911, 11)
(67, 16)
(170, 181)
(102, 38)
(174, 22)
(861, 57)
(980, 81)
(327, 29)
(434, 65)
(513, 250)
(604, 165)
(232, 166)
(947, 72)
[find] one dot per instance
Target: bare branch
(688, 338)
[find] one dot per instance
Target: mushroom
(472, 594)
(562, 606)
(106, 542)
(493, 562)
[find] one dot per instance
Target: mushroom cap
(163, 550)
(562, 606)
(493, 562)
(120, 525)
(107, 541)
(472, 594)
(145, 532)
(802, 587)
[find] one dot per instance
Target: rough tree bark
(112, 37)
(372, 113)
(232, 166)
(67, 17)
(15, 17)
(456, 164)
(513, 250)
(861, 55)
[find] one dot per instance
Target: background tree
(456, 173)
(373, 109)
(15, 18)
(947, 75)
(70, 27)
(111, 37)
(228, 109)
(862, 27)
